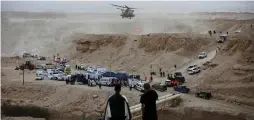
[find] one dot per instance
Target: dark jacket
(117, 108)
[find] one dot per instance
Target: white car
(107, 81)
(202, 55)
(61, 77)
(139, 87)
(194, 71)
(90, 69)
(190, 68)
(51, 76)
(39, 77)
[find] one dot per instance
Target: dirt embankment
(233, 79)
(186, 43)
(94, 42)
(140, 51)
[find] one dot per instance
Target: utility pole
(23, 76)
(133, 72)
(110, 62)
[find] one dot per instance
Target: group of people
(118, 108)
(214, 32)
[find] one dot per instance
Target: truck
(182, 89)
(160, 87)
(205, 95)
(177, 76)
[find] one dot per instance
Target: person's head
(118, 88)
(147, 86)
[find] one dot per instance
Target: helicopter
(127, 12)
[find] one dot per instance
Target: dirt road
(210, 105)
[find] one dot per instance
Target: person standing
(100, 84)
(117, 106)
(148, 103)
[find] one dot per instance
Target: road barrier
(162, 102)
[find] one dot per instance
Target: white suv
(190, 68)
(202, 55)
(194, 71)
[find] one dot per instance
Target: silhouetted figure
(210, 32)
(214, 32)
(100, 85)
(227, 32)
(117, 106)
(148, 103)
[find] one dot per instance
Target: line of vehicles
(100, 76)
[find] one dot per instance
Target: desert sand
(160, 41)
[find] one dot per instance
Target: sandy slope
(231, 80)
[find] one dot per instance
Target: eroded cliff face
(150, 42)
(95, 42)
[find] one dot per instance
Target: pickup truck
(182, 89)
(160, 87)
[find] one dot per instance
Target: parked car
(39, 66)
(192, 67)
(39, 77)
(160, 87)
(52, 77)
(179, 77)
(107, 81)
(41, 58)
(139, 86)
(205, 95)
(202, 55)
(182, 89)
(194, 71)
(171, 83)
(61, 77)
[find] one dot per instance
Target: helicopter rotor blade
(117, 5)
(132, 8)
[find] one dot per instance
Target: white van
(106, 81)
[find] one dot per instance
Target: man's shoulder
(114, 96)
(125, 98)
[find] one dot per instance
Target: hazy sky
(149, 6)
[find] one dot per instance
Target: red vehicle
(171, 83)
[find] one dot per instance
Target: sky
(143, 6)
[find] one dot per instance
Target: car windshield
(195, 69)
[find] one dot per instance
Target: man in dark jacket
(117, 107)
(148, 103)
